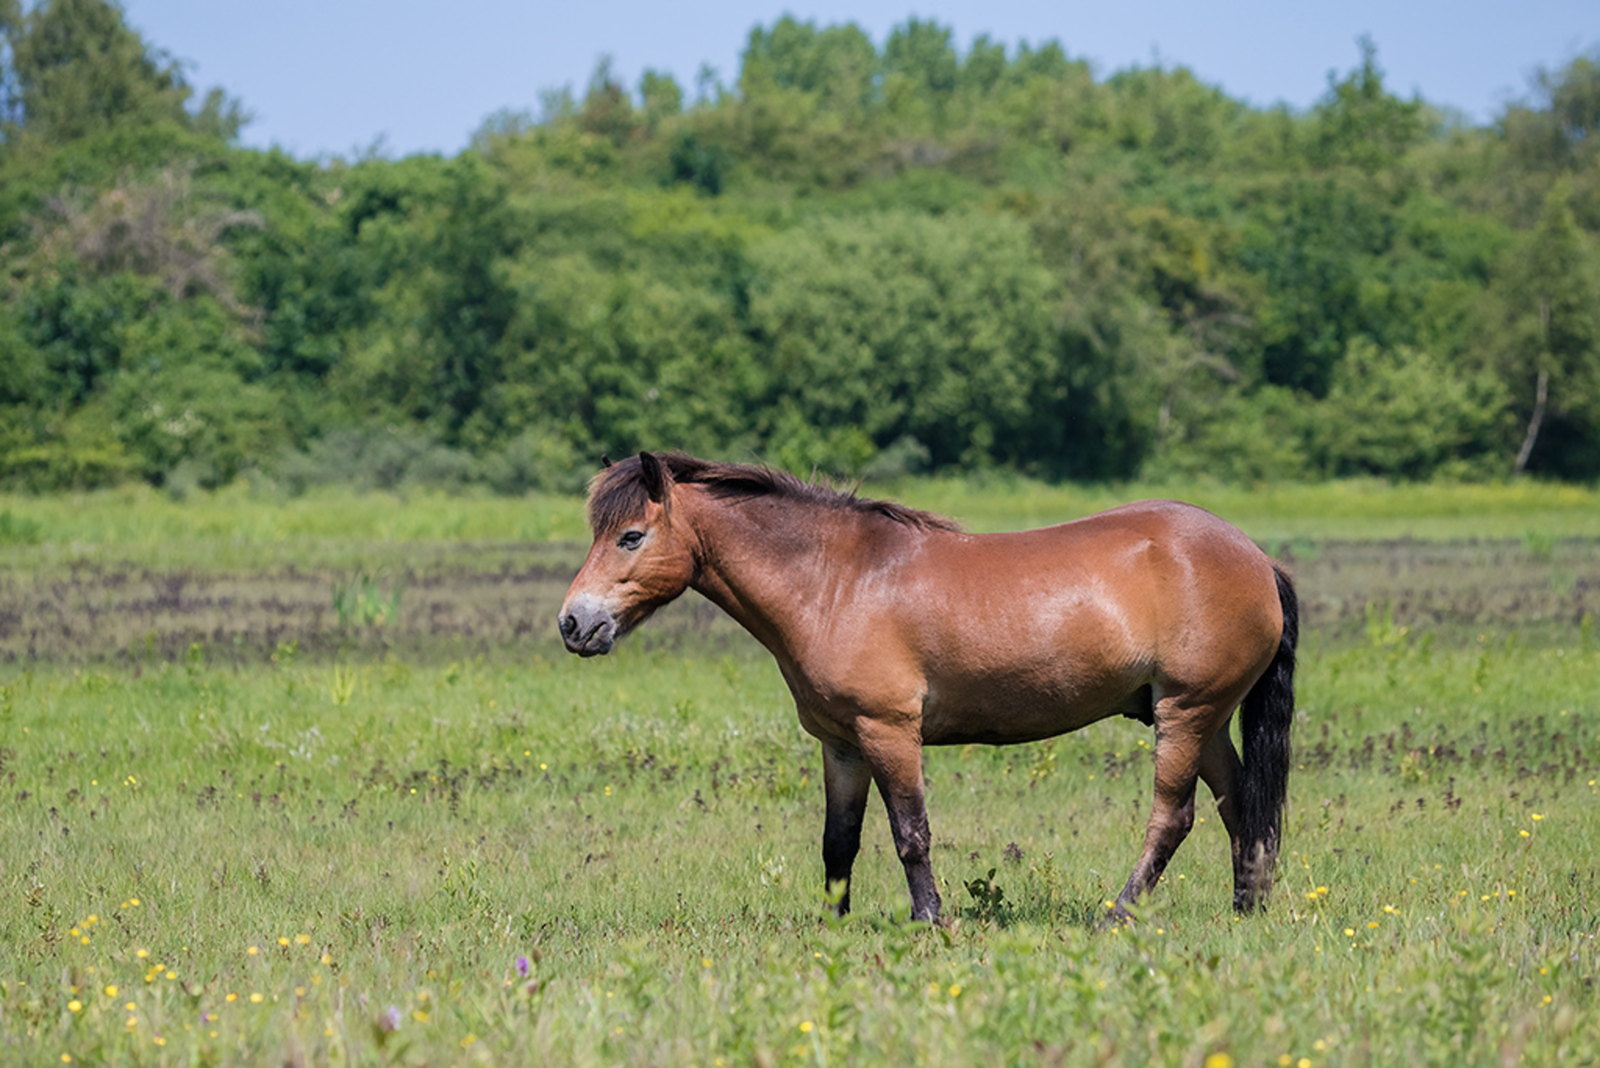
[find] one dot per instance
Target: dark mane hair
(617, 493)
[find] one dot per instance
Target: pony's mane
(617, 494)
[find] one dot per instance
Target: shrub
(536, 460)
(381, 458)
(1407, 414)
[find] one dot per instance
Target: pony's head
(642, 556)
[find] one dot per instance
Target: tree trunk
(1540, 395)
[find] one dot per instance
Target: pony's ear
(605, 461)
(657, 483)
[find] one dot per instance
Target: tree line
(861, 258)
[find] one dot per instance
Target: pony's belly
(998, 714)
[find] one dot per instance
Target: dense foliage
(860, 257)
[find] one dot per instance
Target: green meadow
(239, 523)
(312, 782)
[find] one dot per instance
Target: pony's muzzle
(588, 628)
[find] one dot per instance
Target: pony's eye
(631, 539)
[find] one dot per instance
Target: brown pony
(896, 630)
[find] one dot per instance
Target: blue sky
(326, 77)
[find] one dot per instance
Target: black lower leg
(908, 819)
(847, 778)
(841, 841)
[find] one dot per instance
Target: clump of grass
(1540, 545)
(19, 529)
(367, 600)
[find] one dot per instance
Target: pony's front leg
(846, 780)
(895, 757)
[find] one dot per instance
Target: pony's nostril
(569, 625)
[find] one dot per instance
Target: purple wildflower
(523, 967)
(390, 1020)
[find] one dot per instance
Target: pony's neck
(770, 563)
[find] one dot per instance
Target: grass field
(322, 788)
(237, 526)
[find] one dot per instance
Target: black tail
(1265, 719)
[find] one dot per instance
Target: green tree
(1556, 136)
(1562, 128)
(134, 286)
(606, 110)
(837, 65)
(1170, 115)
(1112, 339)
(1312, 243)
(660, 98)
(920, 73)
(627, 343)
(982, 67)
(432, 237)
(1360, 123)
(76, 67)
(1544, 328)
(901, 326)
(1404, 413)
(1045, 102)
(804, 104)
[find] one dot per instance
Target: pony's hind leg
(1221, 770)
(1177, 760)
(846, 780)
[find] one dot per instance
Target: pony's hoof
(1116, 916)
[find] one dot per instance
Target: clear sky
(326, 77)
